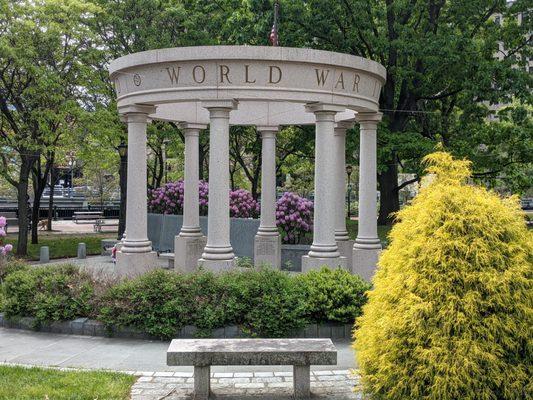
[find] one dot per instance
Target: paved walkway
(157, 381)
(50, 349)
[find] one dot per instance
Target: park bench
(87, 217)
(103, 222)
(203, 353)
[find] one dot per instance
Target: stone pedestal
(267, 251)
(309, 263)
(346, 251)
(216, 265)
(187, 251)
(130, 265)
(364, 262)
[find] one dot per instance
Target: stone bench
(203, 353)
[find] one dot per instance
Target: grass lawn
(62, 246)
(40, 384)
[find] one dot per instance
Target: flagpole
(274, 39)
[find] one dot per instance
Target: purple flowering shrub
(242, 204)
(294, 216)
(4, 248)
(168, 199)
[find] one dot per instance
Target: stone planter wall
(163, 228)
(88, 327)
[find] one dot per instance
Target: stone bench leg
(202, 384)
(301, 381)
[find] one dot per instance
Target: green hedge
(263, 302)
(48, 293)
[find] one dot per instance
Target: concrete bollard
(44, 254)
(82, 250)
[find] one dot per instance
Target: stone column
(190, 243)
(344, 243)
(324, 250)
(267, 245)
(136, 256)
(218, 253)
(367, 244)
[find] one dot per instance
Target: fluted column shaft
(324, 245)
(341, 233)
(267, 225)
(136, 240)
(367, 234)
(191, 206)
(218, 246)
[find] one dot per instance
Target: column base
(309, 263)
(216, 265)
(267, 251)
(346, 250)
(187, 251)
(365, 262)
(130, 265)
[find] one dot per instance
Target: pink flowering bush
(169, 198)
(294, 216)
(242, 204)
(4, 248)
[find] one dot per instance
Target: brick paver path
(330, 385)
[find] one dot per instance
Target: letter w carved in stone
(321, 77)
(173, 74)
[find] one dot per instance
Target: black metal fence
(68, 212)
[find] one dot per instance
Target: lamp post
(72, 165)
(349, 170)
(122, 149)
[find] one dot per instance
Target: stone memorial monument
(266, 87)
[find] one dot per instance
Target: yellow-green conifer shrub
(450, 315)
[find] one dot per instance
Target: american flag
(273, 37)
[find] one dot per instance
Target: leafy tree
(439, 55)
(45, 54)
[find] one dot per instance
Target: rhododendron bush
(294, 214)
(242, 204)
(168, 199)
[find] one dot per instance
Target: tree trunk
(389, 201)
(35, 218)
(22, 200)
(122, 173)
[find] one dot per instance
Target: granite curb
(90, 327)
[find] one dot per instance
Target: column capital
(136, 112)
(267, 131)
(229, 104)
(368, 117)
(342, 126)
(320, 108)
(190, 128)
